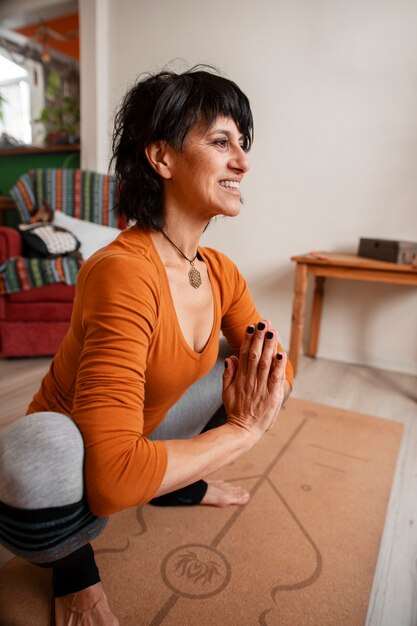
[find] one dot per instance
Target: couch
(34, 321)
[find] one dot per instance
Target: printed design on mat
(179, 567)
(196, 571)
(310, 579)
(125, 546)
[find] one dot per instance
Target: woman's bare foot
(88, 607)
(220, 493)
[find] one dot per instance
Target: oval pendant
(194, 277)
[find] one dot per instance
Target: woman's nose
(240, 160)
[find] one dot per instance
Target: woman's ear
(156, 153)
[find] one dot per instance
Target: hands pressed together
(254, 389)
(254, 383)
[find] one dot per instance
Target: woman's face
(207, 172)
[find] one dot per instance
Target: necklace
(194, 275)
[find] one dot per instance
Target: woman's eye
(222, 143)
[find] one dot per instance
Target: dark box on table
(402, 252)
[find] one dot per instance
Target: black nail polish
(226, 365)
(279, 356)
(269, 335)
(261, 326)
(250, 330)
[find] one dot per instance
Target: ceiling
(49, 28)
(20, 13)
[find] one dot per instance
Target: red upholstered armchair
(35, 319)
(33, 322)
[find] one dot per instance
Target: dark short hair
(165, 106)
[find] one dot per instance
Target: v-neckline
(167, 289)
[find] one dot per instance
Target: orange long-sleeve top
(124, 362)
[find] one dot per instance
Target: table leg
(316, 316)
(300, 288)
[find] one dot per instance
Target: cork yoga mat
(302, 552)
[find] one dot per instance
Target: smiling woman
(204, 176)
(171, 112)
(140, 371)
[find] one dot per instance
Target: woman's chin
(231, 210)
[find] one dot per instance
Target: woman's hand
(253, 392)
(254, 383)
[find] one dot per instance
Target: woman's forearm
(192, 459)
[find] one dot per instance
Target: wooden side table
(345, 266)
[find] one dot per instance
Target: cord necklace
(194, 275)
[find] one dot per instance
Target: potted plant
(61, 115)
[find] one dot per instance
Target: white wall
(94, 85)
(333, 86)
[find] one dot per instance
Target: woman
(145, 328)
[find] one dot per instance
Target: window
(15, 92)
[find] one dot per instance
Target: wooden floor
(375, 392)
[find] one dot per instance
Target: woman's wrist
(245, 438)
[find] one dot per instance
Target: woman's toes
(220, 493)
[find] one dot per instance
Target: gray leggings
(41, 463)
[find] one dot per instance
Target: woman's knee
(41, 462)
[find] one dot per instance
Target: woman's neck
(184, 233)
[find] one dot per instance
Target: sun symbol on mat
(196, 571)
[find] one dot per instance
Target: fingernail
(279, 356)
(226, 365)
(250, 330)
(261, 326)
(269, 335)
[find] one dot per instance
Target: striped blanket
(88, 196)
(20, 274)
